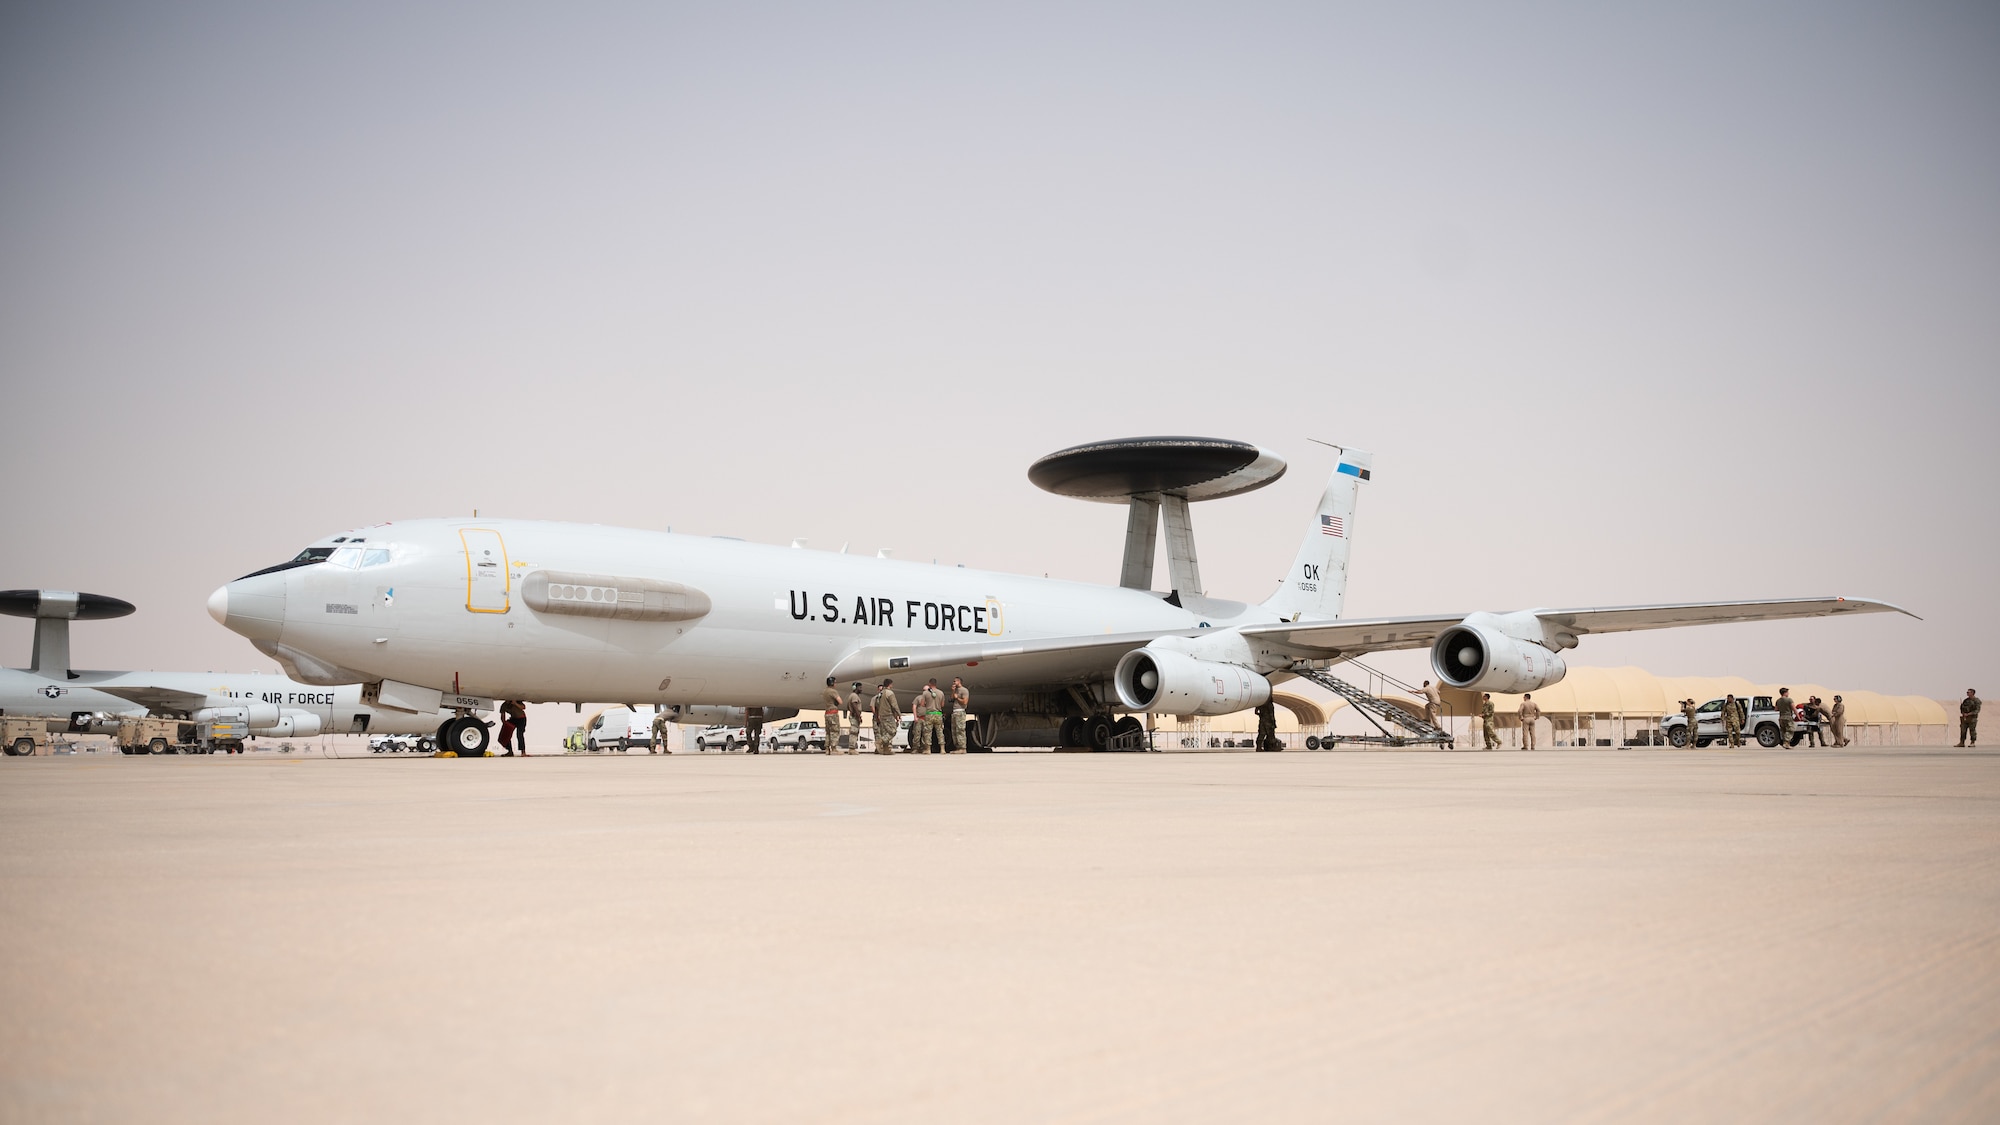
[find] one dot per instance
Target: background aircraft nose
(253, 606)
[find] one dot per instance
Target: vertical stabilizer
(1317, 582)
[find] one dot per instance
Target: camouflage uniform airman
(888, 714)
(1486, 720)
(960, 700)
(1968, 719)
(660, 728)
(1787, 715)
(1732, 720)
(1693, 721)
(835, 708)
(927, 729)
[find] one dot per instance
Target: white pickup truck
(720, 738)
(798, 736)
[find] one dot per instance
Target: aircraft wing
(1352, 638)
(155, 699)
(1059, 660)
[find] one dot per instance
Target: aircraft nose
(253, 606)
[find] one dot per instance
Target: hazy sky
(1701, 302)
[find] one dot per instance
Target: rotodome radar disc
(1198, 468)
(65, 604)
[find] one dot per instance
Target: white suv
(1760, 724)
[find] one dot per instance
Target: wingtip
(1880, 605)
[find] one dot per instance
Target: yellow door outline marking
(506, 574)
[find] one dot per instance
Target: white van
(620, 729)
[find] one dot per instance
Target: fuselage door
(486, 582)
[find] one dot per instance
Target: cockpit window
(307, 557)
(375, 556)
(349, 557)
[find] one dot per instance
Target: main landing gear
(1101, 732)
(465, 737)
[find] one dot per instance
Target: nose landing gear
(466, 737)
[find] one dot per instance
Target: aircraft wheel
(22, 748)
(1679, 737)
(468, 738)
(443, 738)
(1312, 742)
(1130, 724)
(1070, 733)
(1098, 730)
(1767, 736)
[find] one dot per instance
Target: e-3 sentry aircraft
(455, 612)
(271, 706)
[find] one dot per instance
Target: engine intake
(1478, 657)
(1163, 682)
(709, 715)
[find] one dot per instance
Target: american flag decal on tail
(1330, 525)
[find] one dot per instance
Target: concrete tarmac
(1648, 935)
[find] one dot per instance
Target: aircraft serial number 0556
(936, 617)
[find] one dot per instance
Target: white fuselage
(446, 604)
(273, 704)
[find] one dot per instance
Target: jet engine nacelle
(291, 724)
(1476, 656)
(1164, 682)
(710, 716)
(254, 715)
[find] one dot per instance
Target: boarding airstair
(1410, 730)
